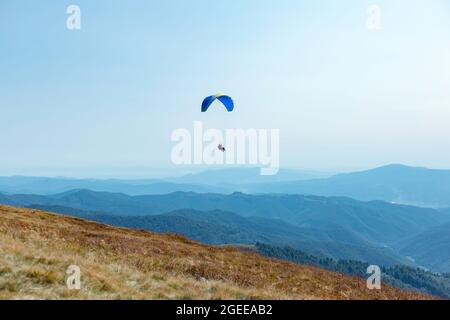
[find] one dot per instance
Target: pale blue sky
(104, 100)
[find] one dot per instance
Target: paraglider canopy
(226, 101)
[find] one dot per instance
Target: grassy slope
(36, 248)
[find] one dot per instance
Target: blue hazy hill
(210, 181)
(392, 183)
(47, 186)
(245, 175)
(430, 248)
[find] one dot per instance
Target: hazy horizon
(167, 173)
(130, 173)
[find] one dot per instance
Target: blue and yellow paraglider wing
(226, 101)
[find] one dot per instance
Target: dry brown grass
(36, 248)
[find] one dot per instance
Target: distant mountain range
(47, 186)
(393, 183)
(376, 220)
(245, 176)
(275, 211)
(211, 181)
(332, 226)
